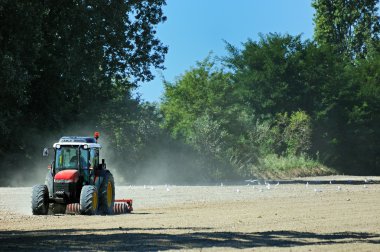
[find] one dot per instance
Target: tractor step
(121, 206)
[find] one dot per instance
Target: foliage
(202, 90)
(297, 134)
(66, 58)
(282, 163)
(209, 140)
(290, 166)
(362, 139)
(236, 137)
(278, 106)
(285, 98)
(352, 26)
(197, 109)
(20, 37)
(60, 63)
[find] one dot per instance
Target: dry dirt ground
(341, 216)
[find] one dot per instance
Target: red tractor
(76, 181)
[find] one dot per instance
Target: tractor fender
(49, 183)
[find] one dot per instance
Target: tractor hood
(67, 176)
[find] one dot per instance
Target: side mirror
(45, 153)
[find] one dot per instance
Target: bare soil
(318, 216)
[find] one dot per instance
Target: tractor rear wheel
(89, 200)
(40, 200)
(107, 194)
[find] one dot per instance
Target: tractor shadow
(135, 239)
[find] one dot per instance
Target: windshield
(66, 157)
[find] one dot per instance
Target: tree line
(283, 106)
(276, 106)
(65, 65)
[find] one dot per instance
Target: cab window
(94, 158)
(84, 158)
(66, 157)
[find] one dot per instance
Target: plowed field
(343, 215)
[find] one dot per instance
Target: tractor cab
(80, 154)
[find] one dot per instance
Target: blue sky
(196, 27)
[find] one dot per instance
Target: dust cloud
(157, 164)
(28, 167)
(160, 164)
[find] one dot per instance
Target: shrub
(297, 134)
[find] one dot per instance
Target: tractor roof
(78, 140)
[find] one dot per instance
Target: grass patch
(282, 167)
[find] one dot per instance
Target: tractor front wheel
(40, 200)
(89, 200)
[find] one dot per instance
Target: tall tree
(86, 47)
(61, 59)
(352, 26)
(273, 75)
(200, 91)
(20, 44)
(61, 62)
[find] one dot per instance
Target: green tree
(20, 45)
(280, 75)
(201, 109)
(277, 74)
(62, 62)
(351, 26)
(200, 91)
(209, 139)
(86, 46)
(362, 139)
